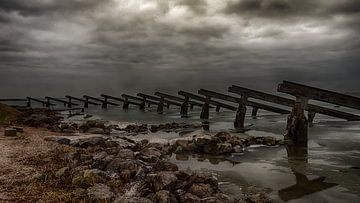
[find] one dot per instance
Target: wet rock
(238, 149)
(269, 141)
(150, 154)
(18, 129)
(163, 180)
(163, 165)
(223, 136)
(10, 132)
(94, 130)
(201, 190)
(100, 193)
(217, 148)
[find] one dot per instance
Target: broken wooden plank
(289, 102)
(314, 93)
(237, 100)
(86, 102)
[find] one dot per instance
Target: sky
(53, 47)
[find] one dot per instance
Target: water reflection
(298, 159)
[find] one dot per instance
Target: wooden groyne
(297, 123)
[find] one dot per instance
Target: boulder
(132, 200)
(150, 154)
(94, 130)
(162, 196)
(10, 132)
(89, 142)
(217, 148)
(92, 176)
(125, 154)
(63, 172)
(163, 165)
(58, 139)
(162, 180)
(201, 190)
(100, 193)
(190, 198)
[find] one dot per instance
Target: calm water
(327, 171)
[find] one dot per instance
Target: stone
(92, 176)
(94, 130)
(190, 198)
(10, 132)
(223, 136)
(217, 148)
(125, 154)
(150, 155)
(238, 149)
(201, 190)
(163, 180)
(100, 193)
(163, 165)
(162, 196)
(65, 171)
(18, 129)
(89, 142)
(58, 139)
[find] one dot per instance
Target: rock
(269, 141)
(132, 200)
(100, 155)
(223, 136)
(201, 178)
(238, 149)
(18, 129)
(63, 172)
(190, 198)
(163, 165)
(162, 180)
(89, 142)
(10, 132)
(125, 154)
(93, 176)
(94, 130)
(217, 148)
(201, 190)
(100, 193)
(162, 196)
(58, 139)
(150, 154)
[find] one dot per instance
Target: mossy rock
(7, 113)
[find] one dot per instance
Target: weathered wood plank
(288, 102)
(45, 103)
(139, 99)
(104, 102)
(315, 93)
(253, 104)
(203, 99)
(61, 101)
(119, 99)
(82, 100)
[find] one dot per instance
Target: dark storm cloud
(121, 45)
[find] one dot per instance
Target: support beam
(125, 101)
(86, 102)
(239, 122)
(66, 103)
(205, 109)
(289, 102)
(252, 104)
(175, 98)
(314, 93)
(254, 111)
(104, 102)
(203, 99)
(158, 99)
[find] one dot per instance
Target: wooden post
(191, 106)
(254, 111)
(240, 114)
(311, 116)
(297, 124)
(28, 103)
(217, 108)
(69, 104)
(149, 104)
(184, 106)
(126, 103)
(168, 105)
(142, 104)
(205, 109)
(160, 108)
(104, 104)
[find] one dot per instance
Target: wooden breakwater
(297, 123)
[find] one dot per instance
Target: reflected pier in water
(298, 159)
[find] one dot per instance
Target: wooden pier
(44, 103)
(141, 99)
(103, 102)
(66, 103)
(161, 101)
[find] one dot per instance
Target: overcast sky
(55, 47)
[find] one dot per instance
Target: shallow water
(327, 171)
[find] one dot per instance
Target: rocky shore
(102, 166)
